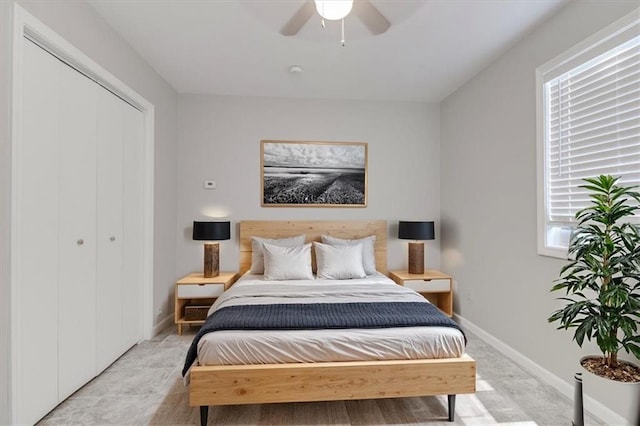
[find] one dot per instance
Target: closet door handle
(112, 239)
(80, 242)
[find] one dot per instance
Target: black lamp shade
(211, 231)
(408, 230)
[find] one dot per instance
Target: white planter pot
(623, 398)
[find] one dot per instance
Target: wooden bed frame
(326, 381)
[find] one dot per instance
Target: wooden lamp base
(211, 260)
(416, 258)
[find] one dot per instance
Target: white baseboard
(596, 408)
(162, 324)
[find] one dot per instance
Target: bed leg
(452, 407)
(204, 414)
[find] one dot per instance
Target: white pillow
(368, 249)
(339, 262)
(257, 260)
(287, 263)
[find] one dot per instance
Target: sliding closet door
(77, 231)
(110, 237)
(79, 201)
(120, 183)
(37, 289)
(133, 145)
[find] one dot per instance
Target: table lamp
(408, 230)
(211, 231)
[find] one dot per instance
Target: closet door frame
(26, 25)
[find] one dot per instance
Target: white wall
(6, 10)
(79, 24)
(489, 194)
(220, 140)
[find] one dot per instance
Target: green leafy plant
(602, 282)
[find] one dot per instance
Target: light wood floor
(145, 387)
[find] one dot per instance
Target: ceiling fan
(370, 16)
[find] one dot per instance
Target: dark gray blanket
(320, 316)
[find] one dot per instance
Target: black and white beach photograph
(321, 174)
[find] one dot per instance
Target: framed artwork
(314, 174)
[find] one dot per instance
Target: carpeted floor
(145, 387)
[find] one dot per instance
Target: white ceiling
(233, 47)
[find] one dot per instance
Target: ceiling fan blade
(298, 19)
(371, 16)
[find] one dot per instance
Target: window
(588, 125)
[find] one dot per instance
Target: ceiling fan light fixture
(333, 10)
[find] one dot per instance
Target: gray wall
(220, 140)
(489, 194)
(80, 25)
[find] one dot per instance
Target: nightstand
(197, 293)
(434, 285)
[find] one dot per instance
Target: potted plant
(602, 280)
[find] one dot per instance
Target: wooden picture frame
(313, 174)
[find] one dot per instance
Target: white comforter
(287, 346)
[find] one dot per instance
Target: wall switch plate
(209, 184)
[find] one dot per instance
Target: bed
(231, 381)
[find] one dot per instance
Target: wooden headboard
(313, 230)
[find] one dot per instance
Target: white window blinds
(592, 128)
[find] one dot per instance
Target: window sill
(557, 252)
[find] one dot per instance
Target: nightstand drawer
(428, 286)
(195, 290)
